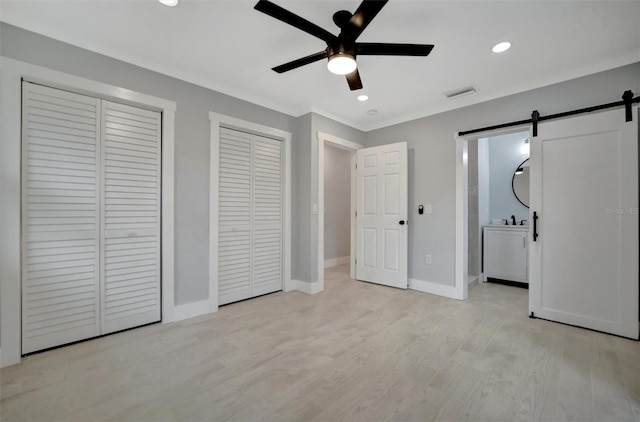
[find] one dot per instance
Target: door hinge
(356, 167)
(356, 213)
(356, 260)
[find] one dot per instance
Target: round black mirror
(520, 183)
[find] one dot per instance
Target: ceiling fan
(343, 49)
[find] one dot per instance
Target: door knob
(402, 222)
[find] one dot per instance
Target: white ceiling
(229, 47)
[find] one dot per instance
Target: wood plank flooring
(356, 352)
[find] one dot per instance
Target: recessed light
(501, 47)
(169, 3)
(362, 98)
(372, 112)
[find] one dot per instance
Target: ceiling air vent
(460, 92)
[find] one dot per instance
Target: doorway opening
(488, 205)
(337, 206)
(333, 154)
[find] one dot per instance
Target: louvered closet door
(60, 227)
(131, 223)
(234, 216)
(250, 216)
(267, 216)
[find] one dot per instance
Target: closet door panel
(234, 216)
(60, 228)
(131, 220)
(267, 216)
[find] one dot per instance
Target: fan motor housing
(342, 49)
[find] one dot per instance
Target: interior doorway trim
(349, 146)
(218, 121)
(462, 206)
(12, 72)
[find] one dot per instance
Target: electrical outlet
(427, 259)
(427, 209)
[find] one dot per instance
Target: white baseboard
(290, 285)
(434, 288)
(332, 262)
(308, 288)
(473, 279)
(190, 310)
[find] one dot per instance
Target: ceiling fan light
(342, 64)
(169, 3)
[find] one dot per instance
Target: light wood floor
(354, 352)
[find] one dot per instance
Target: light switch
(315, 209)
(427, 209)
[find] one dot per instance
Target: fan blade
(292, 19)
(362, 17)
(301, 62)
(385, 49)
(354, 80)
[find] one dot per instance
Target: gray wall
(337, 202)
(191, 138)
(504, 157)
(430, 141)
(432, 156)
(301, 189)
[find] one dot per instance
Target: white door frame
(462, 206)
(12, 72)
(348, 146)
(218, 121)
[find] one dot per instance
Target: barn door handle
(401, 222)
(535, 226)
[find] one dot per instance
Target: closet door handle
(535, 226)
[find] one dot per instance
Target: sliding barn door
(584, 249)
(61, 217)
(250, 216)
(131, 223)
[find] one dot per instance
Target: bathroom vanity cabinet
(506, 253)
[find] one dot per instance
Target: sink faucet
(513, 220)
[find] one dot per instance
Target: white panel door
(584, 189)
(234, 216)
(381, 221)
(131, 223)
(60, 209)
